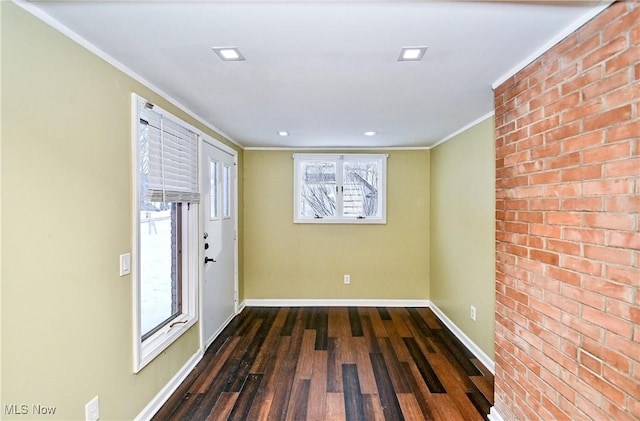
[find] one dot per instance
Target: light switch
(125, 264)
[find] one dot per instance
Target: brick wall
(567, 230)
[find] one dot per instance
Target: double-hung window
(165, 229)
(340, 188)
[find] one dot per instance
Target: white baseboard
(156, 403)
(475, 349)
(334, 303)
(494, 415)
(217, 333)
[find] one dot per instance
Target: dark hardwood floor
(334, 363)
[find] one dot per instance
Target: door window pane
(214, 190)
(226, 191)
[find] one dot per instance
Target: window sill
(146, 351)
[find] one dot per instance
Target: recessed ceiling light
(412, 53)
(369, 133)
(229, 53)
(283, 133)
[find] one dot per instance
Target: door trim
(204, 343)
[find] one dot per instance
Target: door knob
(205, 235)
(209, 259)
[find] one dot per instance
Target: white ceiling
(323, 71)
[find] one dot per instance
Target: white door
(219, 286)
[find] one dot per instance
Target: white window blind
(169, 158)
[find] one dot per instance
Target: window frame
(339, 159)
(145, 351)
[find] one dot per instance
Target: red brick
(606, 85)
(627, 130)
(608, 288)
(580, 295)
(585, 235)
(607, 187)
(608, 254)
(581, 80)
(582, 141)
(622, 203)
(545, 231)
(609, 49)
(592, 204)
(585, 266)
(622, 345)
(630, 166)
(609, 221)
(564, 247)
(567, 277)
(564, 218)
(603, 386)
(544, 256)
(622, 24)
(608, 118)
(563, 132)
(623, 310)
(626, 275)
(625, 95)
(608, 356)
(586, 109)
(563, 190)
(589, 361)
(544, 125)
(544, 99)
(630, 240)
(582, 173)
(585, 328)
(607, 153)
(563, 103)
(546, 177)
(610, 323)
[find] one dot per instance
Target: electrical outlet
(347, 279)
(473, 313)
(92, 409)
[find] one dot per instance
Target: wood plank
(372, 408)
(377, 322)
(485, 386)
(428, 374)
(335, 407)
(354, 409)
(384, 313)
(419, 390)
(334, 367)
(204, 381)
(318, 387)
(369, 334)
(223, 406)
(393, 366)
(290, 321)
(322, 326)
(304, 369)
(245, 398)
(398, 317)
(365, 370)
(298, 403)
(388, 398)
(339, 323)
(354, 322)
(410, 408)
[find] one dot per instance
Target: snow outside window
(340, 188)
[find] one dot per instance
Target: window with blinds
(165, 237)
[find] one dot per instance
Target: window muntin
(165, 230)
(346, 188)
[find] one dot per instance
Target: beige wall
(462, 231)
(284, 260)
(66, 216)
